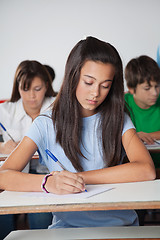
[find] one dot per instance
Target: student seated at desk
(85, 130)
(142, 76)
(32, 94)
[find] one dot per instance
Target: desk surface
(4, 156)
(119, 233)
(154, 147)
(139, 195)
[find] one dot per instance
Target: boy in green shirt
(142, 76)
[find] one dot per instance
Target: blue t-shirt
(43, 134)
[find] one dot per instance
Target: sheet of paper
(1, 163)
(91, 191)
(156, 145)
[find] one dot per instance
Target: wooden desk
(4, 156)
(139, 195)
(138, 233)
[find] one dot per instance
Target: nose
(32, 93)
(155, 91)
(95, 91)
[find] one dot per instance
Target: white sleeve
(127, 124)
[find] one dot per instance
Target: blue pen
(6, 132)
(56, 160)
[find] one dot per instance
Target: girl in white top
(32, 94)
(87, 131)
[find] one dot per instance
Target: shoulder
(158, 102)
(44, 118)
(49, 99)
(47, 103)
(128, 97)
(127, 123)
(9, 106)
(41, 128)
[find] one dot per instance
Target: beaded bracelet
(44, 182)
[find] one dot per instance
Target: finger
(64, 183)
(74, 185)
(73, 175)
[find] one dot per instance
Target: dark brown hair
(141, 69)
(25, 73)
(66, 113)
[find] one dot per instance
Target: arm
(11, 177)
(139, 168)
(149, 137)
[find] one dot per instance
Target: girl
(32, 94)
(88, 131)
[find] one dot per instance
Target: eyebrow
(107, 80)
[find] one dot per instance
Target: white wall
(46, 30)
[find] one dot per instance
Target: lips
(153, 100)
(92, 101)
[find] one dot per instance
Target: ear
(131, 90)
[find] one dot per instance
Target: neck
(33, 113)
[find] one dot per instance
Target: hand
(65, 182)
(8, 147)
(146, 137)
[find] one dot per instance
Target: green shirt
(145, 120)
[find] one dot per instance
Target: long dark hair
(66, 113)
(25, 73)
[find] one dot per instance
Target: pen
(6, 132)
(157, 142)
(56, 160)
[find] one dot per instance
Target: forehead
(150, 83)
(36, 81)
(31, 82)
(98, 70)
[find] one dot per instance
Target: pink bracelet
(44, 182)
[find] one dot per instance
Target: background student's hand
(146, 137)
(7, 147)
(65, 182)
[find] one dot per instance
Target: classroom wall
(46, 30)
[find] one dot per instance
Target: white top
(16, 121)
(43, 134)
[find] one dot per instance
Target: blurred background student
(142, 76)
(32, 94)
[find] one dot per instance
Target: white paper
(91, 191)
(156, 145)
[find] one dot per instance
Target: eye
(147, 88)
(25, 90)
(87, 83)
(38, 89)
(105, 87)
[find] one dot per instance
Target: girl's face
(94, 85)
(33, 97)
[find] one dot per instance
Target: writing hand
(146, 137)
(65, 182)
